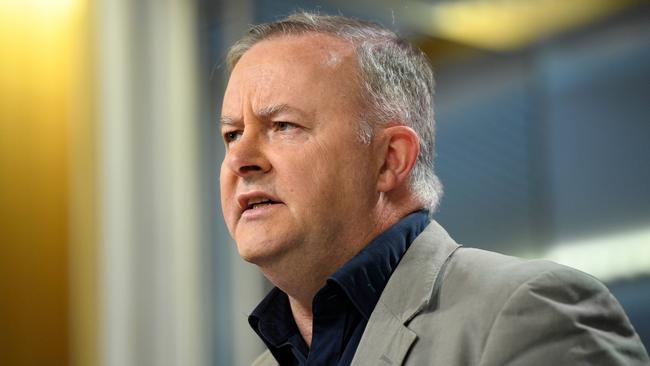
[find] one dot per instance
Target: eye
(231, 136)
(284, 126)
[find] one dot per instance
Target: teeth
(257, 200)
(258, 205)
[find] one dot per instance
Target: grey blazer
(451, 306)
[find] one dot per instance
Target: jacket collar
(411, 289)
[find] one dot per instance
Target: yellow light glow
(43, 63)
(50, 9)
(36, 37)
(509, 24)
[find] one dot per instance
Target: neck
(304, 318)
(300, 276)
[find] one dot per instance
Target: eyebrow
(227, 121)
(271, 110)
(264, 113)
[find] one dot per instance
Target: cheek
(304, 174)
(226, 188)
(326, 173)
(223, 186)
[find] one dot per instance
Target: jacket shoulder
(493, 309)
(496, 275)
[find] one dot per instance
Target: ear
(400, 152)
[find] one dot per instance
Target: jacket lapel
(387, 339)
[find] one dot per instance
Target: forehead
(290, 69)
(309, 49)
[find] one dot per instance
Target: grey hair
(396, 82)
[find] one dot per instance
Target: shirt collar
(365, 275)
(362, 279)
(272, 311)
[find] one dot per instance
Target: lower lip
(260, 212)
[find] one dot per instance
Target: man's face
(296, 183)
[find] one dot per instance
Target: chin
(258, 253)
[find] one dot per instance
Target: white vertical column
(115, 185)
(153, 288)
(181, 278)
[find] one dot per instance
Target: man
(327, 185)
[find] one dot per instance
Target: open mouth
(255, 204)
(252, 201)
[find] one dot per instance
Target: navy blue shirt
(342, 307)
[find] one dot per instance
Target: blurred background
(113, 250)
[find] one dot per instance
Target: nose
(246, 156)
